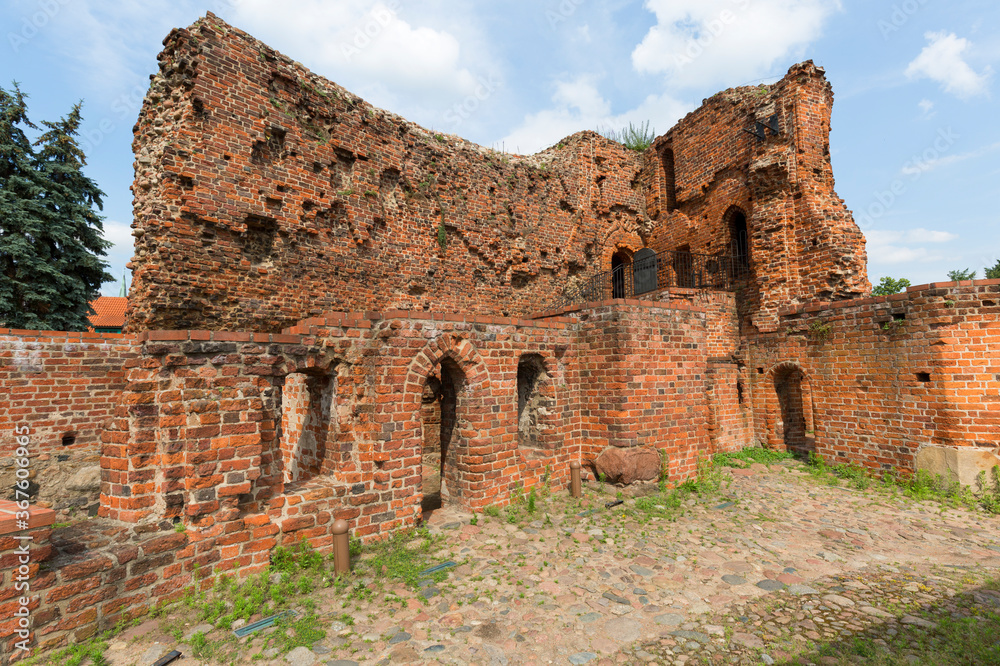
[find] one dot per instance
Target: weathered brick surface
(266, 194)
(803, 243)
(887, 376)
(58, 390)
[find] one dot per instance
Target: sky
(915, 138)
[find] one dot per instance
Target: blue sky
(915, 141)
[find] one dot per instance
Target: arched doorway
(621, 278)
(739, 238)
(439, 418)
(793, 422)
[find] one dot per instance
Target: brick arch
(472, 442)
(788, 408)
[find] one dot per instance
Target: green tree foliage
(958, 276)
(50, 234)
(994, 272)
(888, 285)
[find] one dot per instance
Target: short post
(574, 479)
(341, 547)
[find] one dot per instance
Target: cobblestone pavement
(774, 564)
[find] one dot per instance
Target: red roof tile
(109, 312)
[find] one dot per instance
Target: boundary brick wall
(265, 194)
(881, 377)
(197, 438)
(59, 384)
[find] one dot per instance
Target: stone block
(962, 464)
(627, 465)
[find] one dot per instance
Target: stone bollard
(341, 547)
(574, 479)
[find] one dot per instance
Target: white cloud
(901, 247)
(926, 109)
(726, 42)
(578, 105)
(942, 61)
(921, 166)
(370, 48)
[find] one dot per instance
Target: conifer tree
(50, 233)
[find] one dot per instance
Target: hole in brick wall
(899, 316)
(760, 371)
(185, 181)
(69, 439)
(923, 377)
(739, 390)
(669, 180)
(199, 108)
(271, 148)
(258, 239)
(989, 304)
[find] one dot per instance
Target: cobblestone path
(773, 567)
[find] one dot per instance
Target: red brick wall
(861, 389)
(804, 245)
(59, 384)
(265, 194)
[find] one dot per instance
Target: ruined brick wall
(707, 171)
(642, 381)
(63, 388)
(265, 194)
(876, 379)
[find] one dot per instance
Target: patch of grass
(668, 504)
(921, 486)
(402, 557)
(753, 454)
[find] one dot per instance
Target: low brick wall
(876, 379)
(59, 390)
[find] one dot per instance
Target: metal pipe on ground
(341, 547)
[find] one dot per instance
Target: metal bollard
(341, 547)
(574, 479)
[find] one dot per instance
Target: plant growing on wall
(442, 235)
(993, 273)
(819, 330)
(634, 137)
